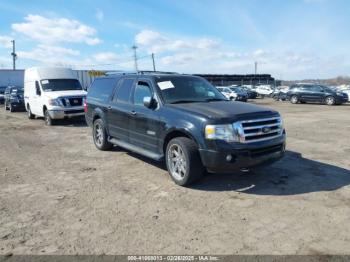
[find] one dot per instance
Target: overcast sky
(290, 39)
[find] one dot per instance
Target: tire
(11, 108)
(5, 105)
(188, 167)
(99, 135)
(294, 99)
(330, 100)
(48, 120)
(29, 113)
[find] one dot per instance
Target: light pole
(14, 55)
(135, 57)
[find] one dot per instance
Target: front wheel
(330, 100)
(48, 120)
(99, 135)
(183, 161)
(294, 99)
(29, 113)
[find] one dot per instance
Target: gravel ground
(60, 195)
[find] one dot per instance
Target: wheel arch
(177, 133)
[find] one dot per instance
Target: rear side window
(124, 91)
(102, 88)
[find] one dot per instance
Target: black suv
(315, 94)
(184, 120)
(14, 99)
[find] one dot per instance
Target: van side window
(142, 90)
(37, 88)
(124, 91)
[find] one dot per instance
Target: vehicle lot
(60, 195)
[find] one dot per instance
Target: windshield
(187, 89)
(237, 89)
(60, 84)
(17, 91)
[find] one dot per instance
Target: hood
(225, 110)
(57, 94)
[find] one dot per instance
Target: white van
(53, 93)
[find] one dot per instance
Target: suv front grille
(260, 129)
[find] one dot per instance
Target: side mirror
(148, 101)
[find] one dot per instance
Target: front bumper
(66, 113)
(243, 156)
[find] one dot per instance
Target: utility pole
(154, 64)
(14, 55)
(256, 68)
(135, 57)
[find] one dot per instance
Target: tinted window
(142, 90)
(102, 88)
(124, 91)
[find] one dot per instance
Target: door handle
(133, 112)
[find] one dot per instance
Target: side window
(124, 91)
(102, 88)
(37, 88)
(142, 90)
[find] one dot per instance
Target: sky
(290, 39)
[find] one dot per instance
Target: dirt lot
(59, 195)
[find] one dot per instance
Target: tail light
(85, 106)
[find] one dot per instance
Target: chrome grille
(256, 130)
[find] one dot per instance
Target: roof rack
(157, 72)
(143, 72)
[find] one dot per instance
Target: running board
(136, 149)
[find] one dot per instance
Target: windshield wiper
(185, 101)
(215, 99)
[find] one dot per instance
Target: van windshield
(60, 84)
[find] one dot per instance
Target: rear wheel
(183, 161)
(99, 135)
(330, 100)
(29, 112)
(294, 100)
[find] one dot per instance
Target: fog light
(229, 158)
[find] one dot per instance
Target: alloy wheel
(177, 162)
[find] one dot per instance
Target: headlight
(54, 102)
(221, 132)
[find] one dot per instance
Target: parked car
(252, 94)
(183, 120)
(347, 92)
(14, 99)
(227, 92)
(280, 93)
(264, 90)
(53, 93)
(241, 94)
(315, 93)
(2, 94)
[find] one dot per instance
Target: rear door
(145, 123)
(120, 110)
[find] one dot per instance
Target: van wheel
(330, 100)
(29, 113)
(183, 161)
(99, 135)
(48, 120)
(294, 99)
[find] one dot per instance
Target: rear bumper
(251, 156)
(61, 114)
(17, 105)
